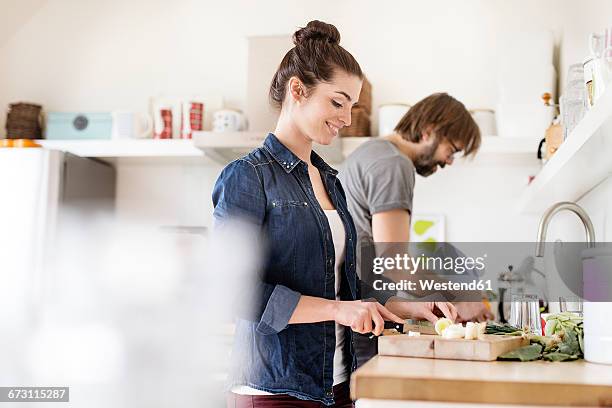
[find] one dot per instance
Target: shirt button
(329, 393)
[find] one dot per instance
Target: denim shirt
(270, 188)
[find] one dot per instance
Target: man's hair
(446, 116)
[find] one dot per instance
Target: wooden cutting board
(433, 346)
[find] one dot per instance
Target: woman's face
(326, 108)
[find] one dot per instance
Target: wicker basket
(23, 121)
(365, 97)
(360, 124)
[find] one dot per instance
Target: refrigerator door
(28, 209)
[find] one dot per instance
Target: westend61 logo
(458, 265)
(461, 271)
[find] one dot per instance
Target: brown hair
(448, 117)
(315, 57)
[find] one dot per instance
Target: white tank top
(341, 372)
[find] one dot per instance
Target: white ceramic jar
(389, 116)
(485, 119)
(597, 307)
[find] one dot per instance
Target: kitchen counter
(496, 382)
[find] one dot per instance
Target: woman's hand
(363, 316)
(421, 310)
(473, 311)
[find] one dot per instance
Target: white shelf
(126, 148)
(227, 146)
(509, 145)
(581, 163)
(492, 147)
(224, 147)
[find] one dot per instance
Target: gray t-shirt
(377, 177)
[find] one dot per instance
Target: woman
(295, 347)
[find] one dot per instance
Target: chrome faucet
(555, 208)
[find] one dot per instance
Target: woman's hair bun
(317, 31)
(316, 57)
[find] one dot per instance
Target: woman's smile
(334, 129)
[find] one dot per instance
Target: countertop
(495, 382)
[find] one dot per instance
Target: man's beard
(425, 164)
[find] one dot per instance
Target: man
(379, 180)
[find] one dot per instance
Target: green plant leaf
(556, 356)
(550, 327)
(525, 353)
(570, 344)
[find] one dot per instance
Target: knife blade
(420, 326)
(389, 325)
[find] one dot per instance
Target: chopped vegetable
(503, 328)
(471, 331)
(454, 331)
(482, 328)
(442, 324)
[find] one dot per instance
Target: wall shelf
(225, 147)
(126, 148)
(580, 164)
(509, 145)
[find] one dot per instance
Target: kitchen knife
(389, 325)
(410, 325)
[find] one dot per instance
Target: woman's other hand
(421, 310)
(473, 312)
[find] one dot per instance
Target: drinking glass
(573, 305)
(572, 104)
(525, 312)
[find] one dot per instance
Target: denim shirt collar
(288, 160)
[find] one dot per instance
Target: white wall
(104, 55)
(114, 54)
(166, 194)
(15, 14)
(598, 204)
(479, 200)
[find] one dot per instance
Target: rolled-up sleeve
(389, 185)
(279, 307)
(239, 195)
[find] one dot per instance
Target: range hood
(224, 147)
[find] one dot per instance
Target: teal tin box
(82, 126)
